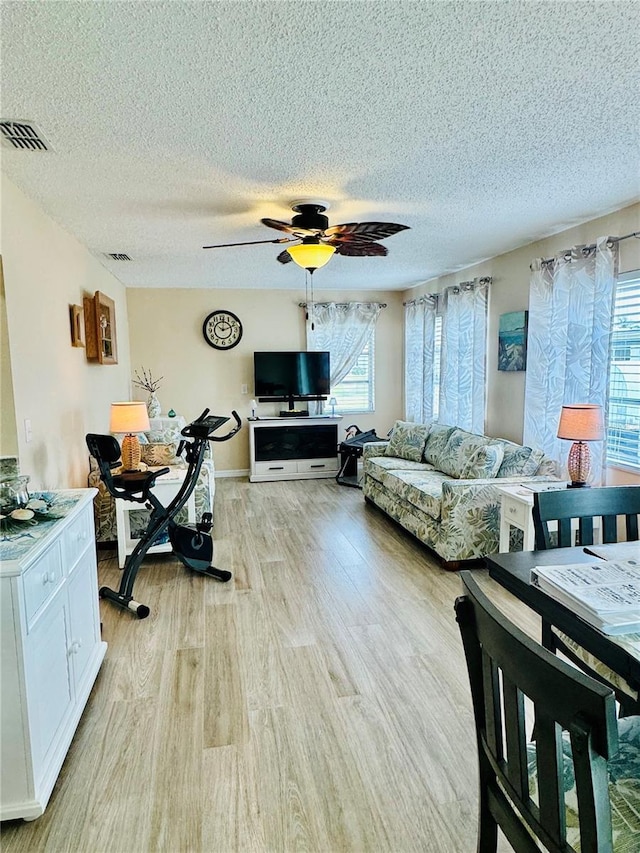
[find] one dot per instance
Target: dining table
(621, 653)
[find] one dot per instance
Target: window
(355, 393)
(623, 432)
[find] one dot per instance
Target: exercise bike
(191, 543)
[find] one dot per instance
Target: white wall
(8, 434)
(165, 328)
(55, 387)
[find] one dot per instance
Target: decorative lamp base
(579, 465)
(131, 452)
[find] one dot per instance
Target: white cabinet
(293, 448)
(51, 650)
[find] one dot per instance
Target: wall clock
(222, 330)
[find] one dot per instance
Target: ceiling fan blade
(366, 230)
(284, 257)
(290, 229)
(249, 243)
(361, 250)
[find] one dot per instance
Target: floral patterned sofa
(158, 449)
(441, 484)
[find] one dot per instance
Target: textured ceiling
(482, 126)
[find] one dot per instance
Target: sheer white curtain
(419, 339)
(571, 301)
(342, 328)
(464, 345)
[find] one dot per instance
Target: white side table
(165, 489)
(516, 510)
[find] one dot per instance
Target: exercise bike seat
(127, 484)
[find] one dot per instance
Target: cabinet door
(49, 688)
(83, 615)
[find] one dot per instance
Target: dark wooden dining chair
(583, 505)
(615, 506)
(561, 788)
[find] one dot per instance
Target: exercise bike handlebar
(204, 425)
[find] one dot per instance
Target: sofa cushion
(407, 440)
(377, 466)
(484, 463)
(419, 488)
(436, 443)
(519, 460)
(460, 447)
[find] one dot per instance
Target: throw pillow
(519, 461)
(159, 454)
(407, 441)
(483, 463)
(436, 443)
(459, 448)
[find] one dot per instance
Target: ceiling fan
(316, 242)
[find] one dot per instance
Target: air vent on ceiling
(117, 256)
(23, 136)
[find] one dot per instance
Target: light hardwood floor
(318, 702)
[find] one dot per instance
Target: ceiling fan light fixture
(312, 255)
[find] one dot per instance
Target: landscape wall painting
(512, 341)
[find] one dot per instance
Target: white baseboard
(243, 472)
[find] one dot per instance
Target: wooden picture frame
(75, 318)
(100, 328)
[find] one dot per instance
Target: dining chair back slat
(504, 667)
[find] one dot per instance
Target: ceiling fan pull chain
(306, 293)
(313, 325)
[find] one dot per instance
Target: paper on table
(605, 594)
(629, 551)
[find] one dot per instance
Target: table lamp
(333, 403)
(129, 418)
(580, 422)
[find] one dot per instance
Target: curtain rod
(591, 246)
(486, 279)
(342, 304)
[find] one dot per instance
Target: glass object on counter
(13, 492)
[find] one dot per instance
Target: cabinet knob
(48, 577)
(82, 535)
(75, 647)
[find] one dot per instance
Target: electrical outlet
(28, 435)
(244, 389)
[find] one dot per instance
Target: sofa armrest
(374, 448)
(470, 515)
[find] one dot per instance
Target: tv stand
(293, 448)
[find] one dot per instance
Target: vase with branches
(151, 385)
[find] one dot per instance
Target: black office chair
(578, 783)
(564, 506)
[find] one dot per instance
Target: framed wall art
(512, 341)
(75, 318)
(100, 328)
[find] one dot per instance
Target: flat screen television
(291, 376)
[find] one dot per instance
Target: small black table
(513, 572)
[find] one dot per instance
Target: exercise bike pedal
(219, 574)
(206, 523)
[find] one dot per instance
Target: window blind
(623, 431)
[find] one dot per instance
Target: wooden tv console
(300, 448)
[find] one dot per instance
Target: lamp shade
(581, 422)
(129, 418)
(310, 256)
